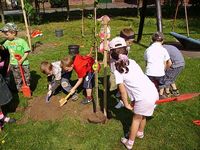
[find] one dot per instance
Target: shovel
(64, 100)
(25, 89)
(182, 97)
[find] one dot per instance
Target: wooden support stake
(26, 24)
(186, 18)
(97, 106)
(105, 43)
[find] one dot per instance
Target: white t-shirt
(57, 70)
(155, 57)
(138, 85)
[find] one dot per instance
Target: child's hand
(49, 93)
(72, 91)
(20, 62)
(49, 88)
(129, 107)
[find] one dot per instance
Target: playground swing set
(187, 42)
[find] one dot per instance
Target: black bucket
(73, 49)
(59, 32)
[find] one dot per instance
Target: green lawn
(170, 128)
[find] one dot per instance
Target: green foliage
(31, 12)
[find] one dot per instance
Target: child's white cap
(117, 42)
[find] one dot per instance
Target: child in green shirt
(20, 47)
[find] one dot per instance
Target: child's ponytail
(120, 55)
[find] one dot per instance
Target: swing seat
(187, 42)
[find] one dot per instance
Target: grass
(171, 127)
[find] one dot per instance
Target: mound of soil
(39, 110)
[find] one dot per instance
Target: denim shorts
(88, 82)
(158, 81)
(171, 75)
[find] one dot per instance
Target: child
(128, 35)
(5, 97)
(156, 57)
(104, 19)
(83, 67)
(175, 66)
(18, 46)
(56, 78)
(133, 82)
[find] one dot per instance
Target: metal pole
(159, 16)
(142, 18)
(26, 24)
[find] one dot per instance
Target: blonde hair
(66, 62)
(46, 67)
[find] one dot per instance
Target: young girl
(133, 82)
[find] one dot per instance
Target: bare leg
(142, 124)
(167, 90)
(89, 92)
(161, 91)
(173, 85)
(137, 119)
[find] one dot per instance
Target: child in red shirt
(83, 68)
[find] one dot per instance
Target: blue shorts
(88, 82)
(158, 81)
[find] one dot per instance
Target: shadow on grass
(12, 105)
(34, 80)
(123, 115)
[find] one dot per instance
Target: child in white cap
(133, 83)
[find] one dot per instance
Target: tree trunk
(2, 13)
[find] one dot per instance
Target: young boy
(128, 35)
(83, 67)
(56, 78)
(15, 46)
(173, 70)
(156, 57)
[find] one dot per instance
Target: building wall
(79, 2)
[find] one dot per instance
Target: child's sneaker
(7, 120)
(126, 143)
(86, 100)
(162, 97)
(175, 92)
(140, 135)
(74, 97)
(168, 95)
(119, 105)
